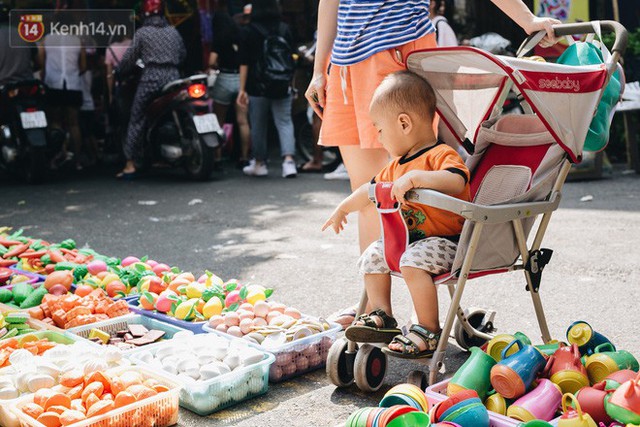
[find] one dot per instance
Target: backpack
(275, 66)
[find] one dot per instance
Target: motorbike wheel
(37, 166)
(199, 161)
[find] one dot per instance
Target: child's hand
(401, 186)
(337, 220)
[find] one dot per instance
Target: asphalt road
(267, 231)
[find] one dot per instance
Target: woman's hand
(337, 220)
(315, 93)
(543, 24)
(243, 99)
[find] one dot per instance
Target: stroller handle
(619, 46)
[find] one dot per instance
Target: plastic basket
(34, 277)
(297, 357)
(160, 410)
(195, 327)
(438, 392)
(119, 323)
(209, 396)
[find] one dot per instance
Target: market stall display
(215, 371)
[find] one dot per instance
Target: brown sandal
(370, 332)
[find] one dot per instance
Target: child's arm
(443, 180)
(356, 201)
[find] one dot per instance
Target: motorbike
(182, 128)
(26, 143)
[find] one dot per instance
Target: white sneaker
(289, 169)
(255, 169)
(340, 173)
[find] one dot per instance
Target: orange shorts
(346, 114)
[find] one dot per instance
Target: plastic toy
(566, 370)
(541, 403)
(592, 399)
(614, 380)
(582, 333)
(551, 347)
(513, 375)
(606, 360)
(624, 403)
(463, 408)
(574, 418)
(474, 374)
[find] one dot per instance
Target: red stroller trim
(395, 235)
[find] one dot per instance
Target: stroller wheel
(370, 368)
(340, 364)
(418, 379)
(481, 320)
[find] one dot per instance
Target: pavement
(267, 231)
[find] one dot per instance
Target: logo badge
(31, 28)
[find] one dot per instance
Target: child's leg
(424, 296)
(378, 287)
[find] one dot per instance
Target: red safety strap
(395, 234)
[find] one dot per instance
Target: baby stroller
(518, 166)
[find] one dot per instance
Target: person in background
(64, 59)
(113, 56)
(161, 49)
(363, 46)
(225, 58)
(88, 108)
(267, 35)
(445, 36)
(15, 63)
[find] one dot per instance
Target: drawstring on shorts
(343, 84)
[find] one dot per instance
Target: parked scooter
(26, 145)
(182, 129)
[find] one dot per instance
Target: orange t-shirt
(425, 221)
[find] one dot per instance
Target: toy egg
(295, 313)
(272, 315)
(261, 309)
(259, 321)
(216, 320)
(276, 306)
(232, 319)
(235, 331)
(244, 314)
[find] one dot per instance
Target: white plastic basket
(209, 396)
(120, 323)
(297, 357)
(160, 410)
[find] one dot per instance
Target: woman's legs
(133, 146)
(220, 110)
(73, 126)
(259, 117)
(242, 118)
(281, 112)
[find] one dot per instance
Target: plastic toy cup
(497, 403)
(614, 380)
(541, 403)
(574, 418)
(400, 399)
(474, 374)
(536, 423)
(410, 419)
(394, 412)
(551, 347)
(624, 404)
(497, 344)
(513, 375)
(591, 400)
(411, 391)
(522, 337)
(605, 360)
(473, 414)
(565, 369)
(582, 333)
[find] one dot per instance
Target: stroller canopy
(471, 86)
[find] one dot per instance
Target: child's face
(391, 130)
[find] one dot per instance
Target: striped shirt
(366, 27)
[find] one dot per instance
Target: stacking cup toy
(469, 413)
(497, 403)
(565, 369)
(410, 419)
(513, 375)
(474, 374)
(592, 399)
(606, 360)
(582, 333)
(536, 423)
(498, 343)
(541, 403)
(551, 347)
(399, 394)
(624, 403)
(574, 418)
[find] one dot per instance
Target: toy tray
(297, 357)
(33, 277)
(195, 327)
(160, 410)
(215, 394)
(438, 392)
(122, 322)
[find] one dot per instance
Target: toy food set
(15, 323)
(69, 310)
(31, 371)
(300, 343)
(129, 332)
(216, 371)
(123, 396)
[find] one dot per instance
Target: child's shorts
(434, 255)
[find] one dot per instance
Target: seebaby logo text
(560, 84)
